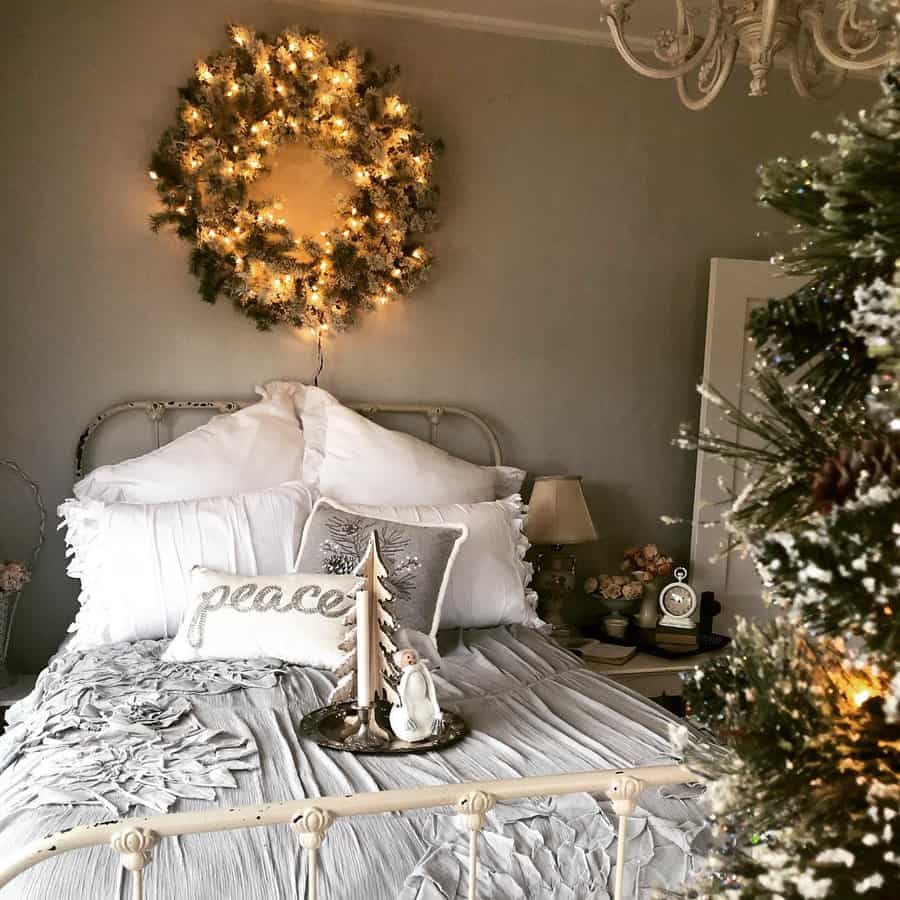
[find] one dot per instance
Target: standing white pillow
(351, 459)
(298, 618)
(257, 447)
(488, 584)
(135, 559)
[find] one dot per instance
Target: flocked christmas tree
(805, 794)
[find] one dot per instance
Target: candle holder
(368, 737)
(341, 726)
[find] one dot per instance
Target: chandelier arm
(686, 67)
(813, 21)
(808, 90)
(849, 22)
(684, 29)
(724, 73)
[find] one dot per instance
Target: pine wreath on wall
(235, 112)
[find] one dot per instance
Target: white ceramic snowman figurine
(417, 715)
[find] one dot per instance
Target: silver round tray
(334, 726)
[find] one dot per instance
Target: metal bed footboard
(133, 839)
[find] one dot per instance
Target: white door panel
(736, 287)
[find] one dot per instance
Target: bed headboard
(156, 411)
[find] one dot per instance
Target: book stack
(676, 640)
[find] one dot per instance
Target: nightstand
(650, 675)
(13, 693)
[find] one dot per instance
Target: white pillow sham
(488, 584)
(134, 559)
(298, 618)
(255, 448)
(351, 459)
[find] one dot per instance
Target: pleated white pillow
(249, 450)
(351, 459)
(135, 559)
(488, 584)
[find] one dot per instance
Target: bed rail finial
(310, 827)
(133, 846)
(473, 809)
(623, 791)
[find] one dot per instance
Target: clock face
(678, 600)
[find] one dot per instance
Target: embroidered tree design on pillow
(417, 557)
(348, 543)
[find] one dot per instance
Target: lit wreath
(235, 112)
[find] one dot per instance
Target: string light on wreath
(236, 111)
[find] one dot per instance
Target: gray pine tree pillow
(418, 558)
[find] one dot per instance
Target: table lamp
(557, 517)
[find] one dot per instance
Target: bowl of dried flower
(634, 592)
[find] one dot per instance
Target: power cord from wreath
(320, 356)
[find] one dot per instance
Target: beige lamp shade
(557, 512)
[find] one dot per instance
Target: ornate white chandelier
(823, 39)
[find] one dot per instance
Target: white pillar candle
(363, 649)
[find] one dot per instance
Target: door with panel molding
(736, 287)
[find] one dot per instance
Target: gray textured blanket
(118, 730)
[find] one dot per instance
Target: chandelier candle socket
(823, 40)
(236, 111)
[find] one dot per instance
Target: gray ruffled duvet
(119, 732)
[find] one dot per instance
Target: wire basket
(9, 600)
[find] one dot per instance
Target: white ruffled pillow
(488, 583)
(135, 559)
(249, 450)
(298, 618)
(354, 460)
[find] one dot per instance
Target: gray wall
(581, 206)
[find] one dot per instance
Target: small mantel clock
(678, 603)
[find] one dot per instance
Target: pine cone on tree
(870, 461)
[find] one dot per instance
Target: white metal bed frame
(134, 838)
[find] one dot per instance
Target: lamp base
(555, 585)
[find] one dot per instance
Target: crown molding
(519, 28)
